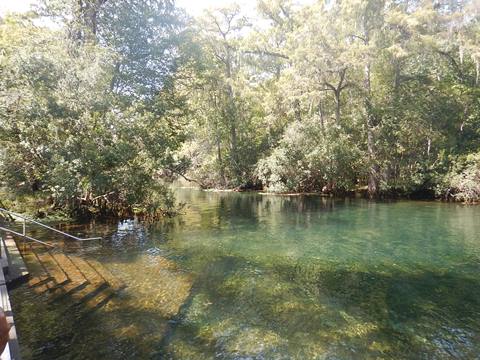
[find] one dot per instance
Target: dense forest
(102, 103)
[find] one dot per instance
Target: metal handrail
(24, 221)
(26, 237)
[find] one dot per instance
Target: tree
(69, 134)
(336, 96)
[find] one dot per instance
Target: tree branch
(264, 52)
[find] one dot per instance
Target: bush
(462, 183)
(310, 158)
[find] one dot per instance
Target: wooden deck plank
(17, 271)
(12, 351)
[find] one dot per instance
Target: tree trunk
(296, 110)
(220, 161)
(232, 114)
(337, 105)
(372, 168)
(218, 140)
(233, 134)
(322, 118)
(88, 14)
(396, 80)
(372, 171)
(477, 72)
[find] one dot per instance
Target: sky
(14, 6)
(193, 7)
(196, 7)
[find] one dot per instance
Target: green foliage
(346, 95)
(67, 131)
(309, 158)
(462, 182)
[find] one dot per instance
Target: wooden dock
(13, 273)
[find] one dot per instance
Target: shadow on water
(317, 313)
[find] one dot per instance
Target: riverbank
(361, 192)
(39, 208)
(32, 206)
(38, 205)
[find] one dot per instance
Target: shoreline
(55, 218)
(352, 194)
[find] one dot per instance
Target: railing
(24, 225)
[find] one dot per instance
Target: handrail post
(24, 227)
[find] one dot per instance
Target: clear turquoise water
(250, 276)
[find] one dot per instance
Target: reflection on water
(249, 276)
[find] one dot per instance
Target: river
(251, 276)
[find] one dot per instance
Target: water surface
(250, 276)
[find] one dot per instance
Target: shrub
(462, 183)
